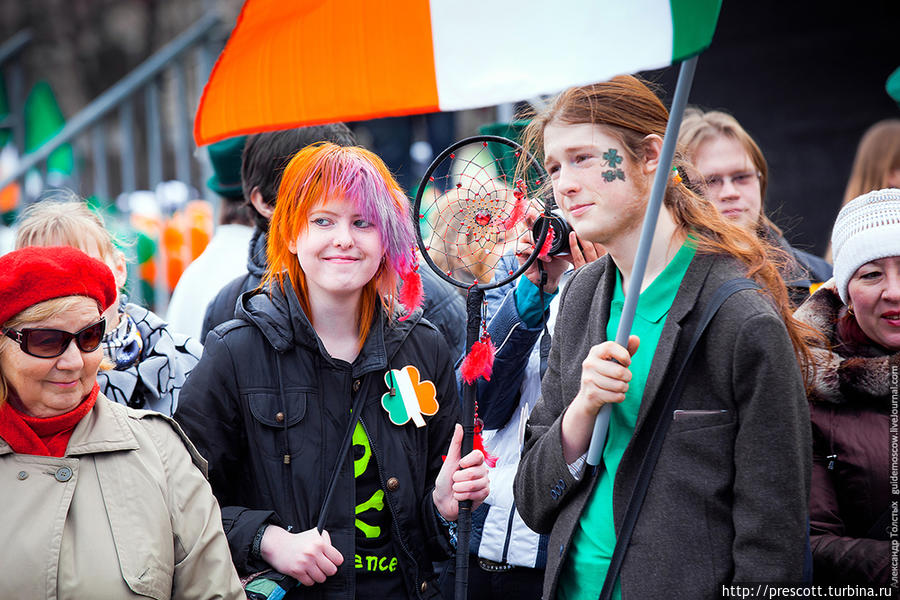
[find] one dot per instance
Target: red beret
(38, 273)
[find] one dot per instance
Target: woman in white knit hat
(855, 393)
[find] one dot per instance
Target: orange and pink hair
(325, 170)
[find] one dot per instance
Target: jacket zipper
(395, 524)
(286, 469)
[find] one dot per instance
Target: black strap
(345, 446)
(544, 347)
(642, 483)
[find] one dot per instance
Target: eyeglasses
(50, 343)
(716, 182)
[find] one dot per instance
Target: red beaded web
(472, 208)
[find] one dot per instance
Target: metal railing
(91, 127)
(143, 123)
(14, 75)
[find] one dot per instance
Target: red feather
(411, 292)
(518, 212)
(478, 444)
(548, 243)
(479, 361)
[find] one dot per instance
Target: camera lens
(561, 229)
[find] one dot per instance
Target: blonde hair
(877, 155)
(33, 314)
(67, 222)
(698, 126)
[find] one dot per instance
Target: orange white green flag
(304, 62)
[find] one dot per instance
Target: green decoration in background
(43, 120)
(95, 204)
(123, 235)
(507, 158)
(145, 246)
(892, 85)
(512, 131)
(148, 293)
(145, 253)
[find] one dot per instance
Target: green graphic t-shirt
(595, 536)
(377, 570)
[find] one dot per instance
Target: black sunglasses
(50, 343)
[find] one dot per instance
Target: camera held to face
(561, 229)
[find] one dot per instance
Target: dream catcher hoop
(470, 210)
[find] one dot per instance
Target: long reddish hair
(625, 108)
(325, 170)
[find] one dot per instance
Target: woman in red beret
(99, 500)
(149, 361)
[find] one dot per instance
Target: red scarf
(42, 437)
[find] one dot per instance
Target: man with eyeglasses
(735, 176)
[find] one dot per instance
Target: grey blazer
(728, 498)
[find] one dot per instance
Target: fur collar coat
(845, 372)
(850, 411)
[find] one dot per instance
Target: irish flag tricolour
(302, 62)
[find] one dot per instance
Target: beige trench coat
(126, 513)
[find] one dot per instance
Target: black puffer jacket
(801, 270)
(445, 308)
(266, 389)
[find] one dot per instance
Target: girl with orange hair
(327, 351)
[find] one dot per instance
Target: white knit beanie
(867, 228)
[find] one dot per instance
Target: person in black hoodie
(318, 352)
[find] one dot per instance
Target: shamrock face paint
(582, 160)
(612, 159)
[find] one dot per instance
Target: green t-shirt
(595, 536)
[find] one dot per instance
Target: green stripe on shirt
(595, 537)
